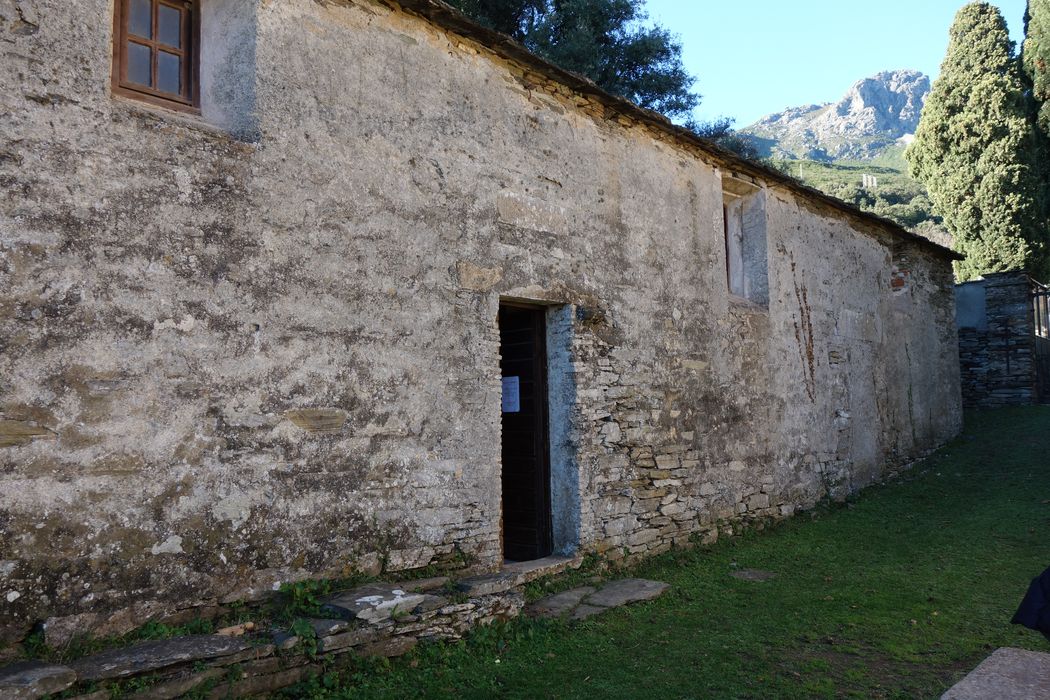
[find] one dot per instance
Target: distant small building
(1004, 340)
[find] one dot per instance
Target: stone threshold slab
(1008, 674)
(517, 574)
(587, 601)
(155, 655)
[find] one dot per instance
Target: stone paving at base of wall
(756, 575)
(587, 601)
(1008, 674)
(372, 620)
(385, 620)
(377, 619)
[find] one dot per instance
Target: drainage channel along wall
(260, 344)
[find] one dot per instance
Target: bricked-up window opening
(155, 49)
(744, 227)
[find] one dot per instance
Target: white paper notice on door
(511, 395)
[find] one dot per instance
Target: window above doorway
(155, 52)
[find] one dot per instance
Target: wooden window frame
(189, 100)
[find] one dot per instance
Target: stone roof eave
(445, 16)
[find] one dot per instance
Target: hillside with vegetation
(891, 192)
(853, 149)
(977, 144)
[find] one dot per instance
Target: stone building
(1004, 340)
(260, 267)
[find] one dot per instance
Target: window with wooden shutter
(155, 51)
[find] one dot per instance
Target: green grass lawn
(897, 595)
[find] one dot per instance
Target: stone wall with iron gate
(1004, 340)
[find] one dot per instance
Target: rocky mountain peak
(888, 102)
(874, 113)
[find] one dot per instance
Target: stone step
(581, 603)
(374, 620)
(560, 604)
(151, 656)
(29, 680)
(376, 602)
(180, 686)
(326, 628)
(755, 575)
(1008, 674)
(345, 640)
(423, 585)
(516, 574)
(262, 684)
(626, 591)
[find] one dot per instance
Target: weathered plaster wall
(230, 363)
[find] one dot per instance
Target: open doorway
(526, 476)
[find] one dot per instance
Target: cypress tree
(978, 153)
(1036, 57)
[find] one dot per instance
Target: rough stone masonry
(1000, 351)
(259, 344)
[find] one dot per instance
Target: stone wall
(260, 345)
(997, 341)
(252, 659)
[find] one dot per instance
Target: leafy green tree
(1036, 57)
(979, 154)
(742, 145)
(511, 17)
(607, 41)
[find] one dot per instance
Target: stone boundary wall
(997, 341)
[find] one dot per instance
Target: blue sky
(757, 57)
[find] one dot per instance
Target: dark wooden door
(526, 455)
